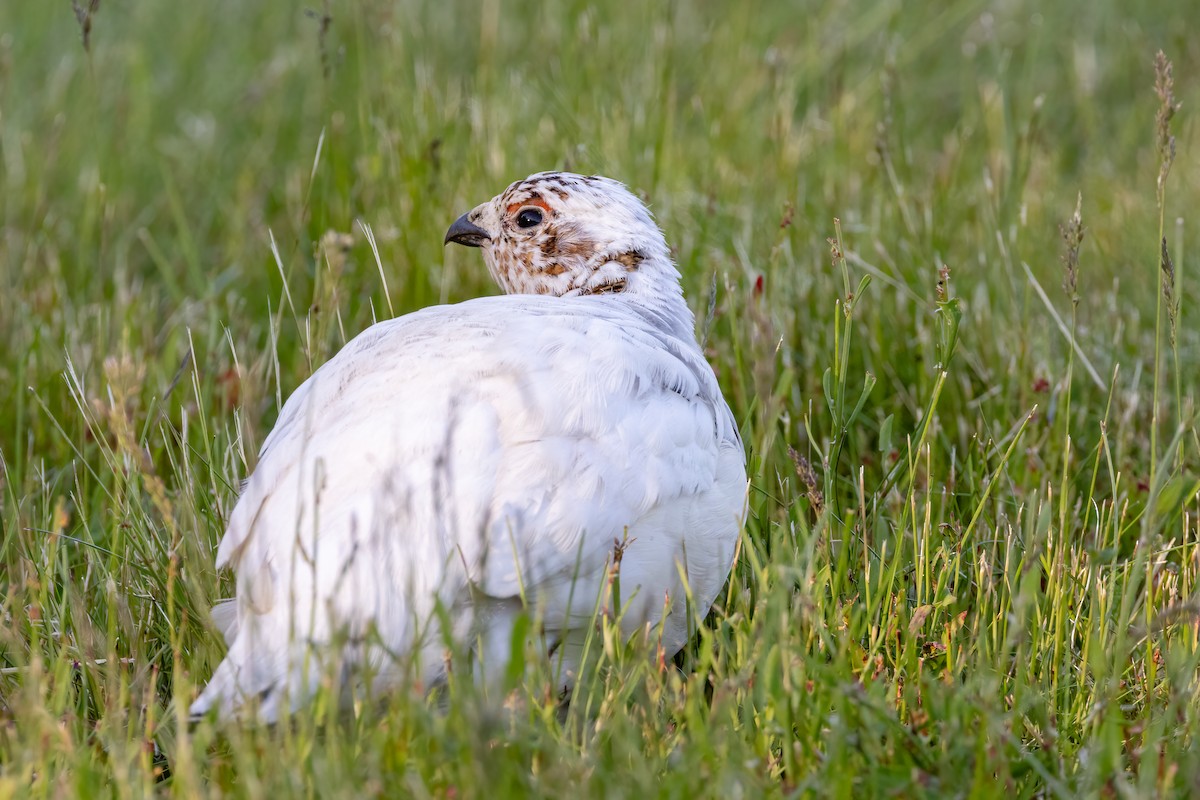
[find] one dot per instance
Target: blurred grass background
(945, 592)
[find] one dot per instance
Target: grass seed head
(808, 476)
(943, 283)
(84, 15)
(1164, 87)
(1167, 275)
(1072, 235)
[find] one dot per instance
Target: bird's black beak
(463, 231)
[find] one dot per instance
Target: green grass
(977, 577)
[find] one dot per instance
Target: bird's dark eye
(529, 217)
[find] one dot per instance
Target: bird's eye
(529, 217)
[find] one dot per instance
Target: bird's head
(562, 234)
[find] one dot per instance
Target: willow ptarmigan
(485, 459)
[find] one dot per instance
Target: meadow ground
(970, 566)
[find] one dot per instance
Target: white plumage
(476, 454)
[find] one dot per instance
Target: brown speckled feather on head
(585, 244)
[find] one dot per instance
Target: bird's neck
(653, 288)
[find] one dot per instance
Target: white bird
(490, 458)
